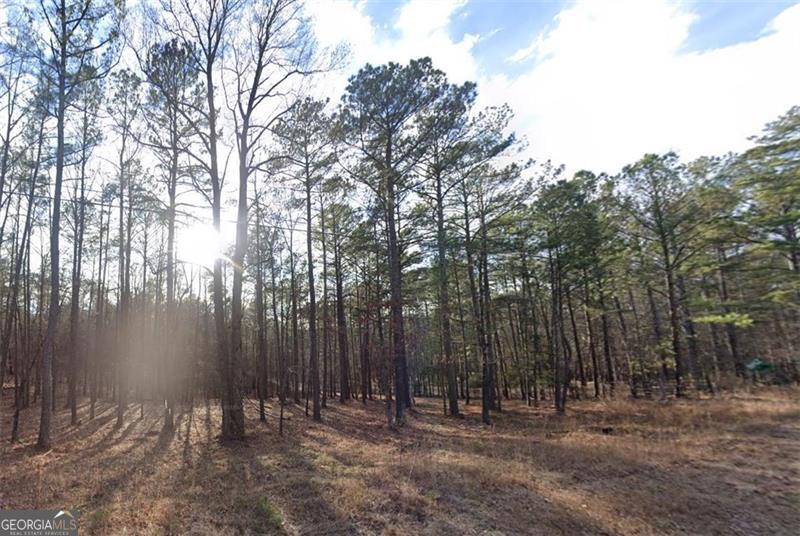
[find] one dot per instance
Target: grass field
(729, 465)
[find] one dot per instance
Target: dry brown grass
(724, 466)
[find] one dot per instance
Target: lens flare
(200, 244)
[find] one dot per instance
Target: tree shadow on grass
(656, 487)
(264, 484)
(435, 475)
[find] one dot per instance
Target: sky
(594, 84)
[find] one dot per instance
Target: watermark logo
(38, 523)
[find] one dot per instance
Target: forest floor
(729, 465)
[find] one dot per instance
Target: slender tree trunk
(627, 344)
(689, 329)
(491, 401)
(576, 338)
(261, 342)
(675, 331)
(643, 369)
(590, 332)
(365, 373)
(55, 228)
(402, 388)
(341, 323)
(326, 341)
(233, 411)
(610, 368)
(171, 320)
(80, 218)
(295, 324)
(477, 311)
(444, 302)
(658, 343)
(556, 363)
(730, 328)
(123, 282)
(312, 308)
(462, 322)
(281, 375)
(23, 253)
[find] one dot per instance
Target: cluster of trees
(390, 244)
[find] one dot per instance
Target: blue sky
(722, 23)
(595, 84)
(512, 23)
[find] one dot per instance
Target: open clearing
(729, 465)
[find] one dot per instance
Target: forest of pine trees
(390, 243)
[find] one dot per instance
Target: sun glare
(200, 244)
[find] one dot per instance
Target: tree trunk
(576, 338)
(402, 388)
(590, 332)
(610, 368)
(341, 323)
(490, 399)
(312, 309)
(326, 342)
(261, 342)
(43, 440)
(444, 302)
(74, 319)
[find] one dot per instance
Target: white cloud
(606, 81)
(527, 52)
(612, 84)
(420, 29)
